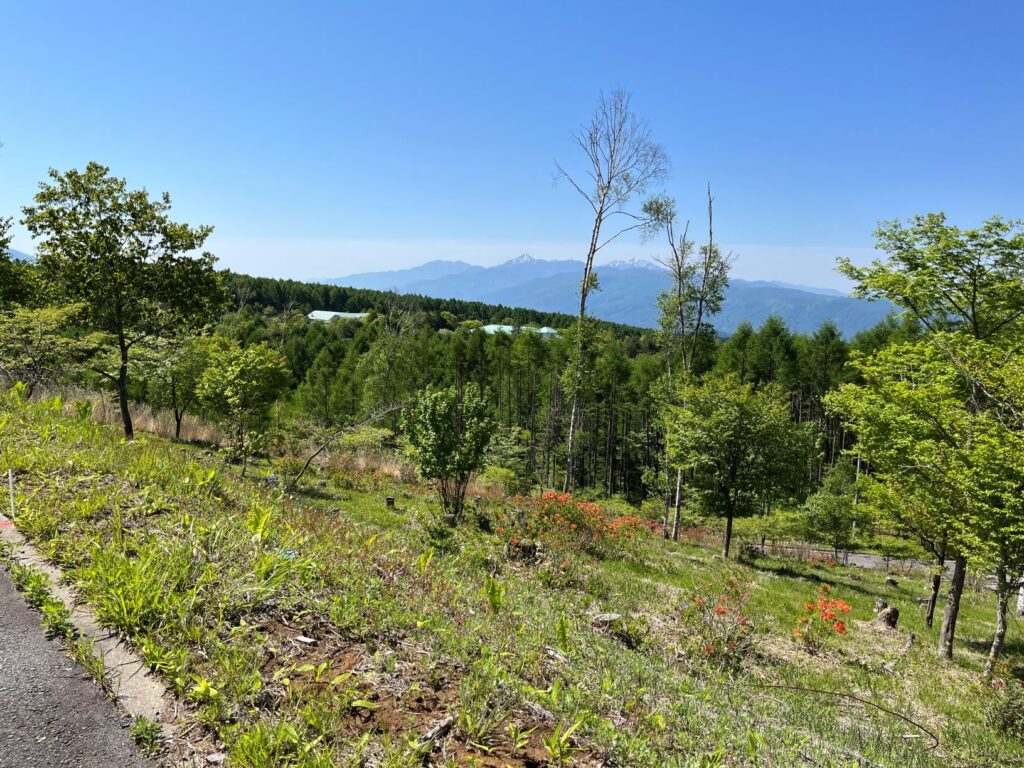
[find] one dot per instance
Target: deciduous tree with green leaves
(922, 427)
(238, 388)
(695, 296)
(449, 432)
(117, 252)
(41, 346)
(949, 278)
(172, 369)
(741, 449)
(964, 282)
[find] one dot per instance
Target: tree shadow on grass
(836, 580)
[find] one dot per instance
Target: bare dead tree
(374, 417)
(622, 161)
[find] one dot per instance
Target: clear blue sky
(322, 139)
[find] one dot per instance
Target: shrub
(566, 523)
(717, 621)
(448, 433)
(1006, 710)
(822, 620)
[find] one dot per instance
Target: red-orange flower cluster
(718, 621)
(822, 619)
(560, 519)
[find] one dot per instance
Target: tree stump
(886, 615)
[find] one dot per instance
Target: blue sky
(322, 139)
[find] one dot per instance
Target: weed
(147, 736)
(1006, 709)
(559, 743)
(83, 650)
(57, 619)
(518, 738)
(494, 591)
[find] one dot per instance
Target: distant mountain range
(20, 256)
(628, 293)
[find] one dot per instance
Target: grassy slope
(222, 584)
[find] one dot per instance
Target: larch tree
(117, 252)
(622, 160)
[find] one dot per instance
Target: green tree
(117, 252)
(919, 422)
(695, 296)
(238, 388)
(39, 346)
(388, 367)
(949, 278)
(773, 356)
(833, 515)
(738, 445)
(449, 431)
(172, 369)
(736, 354)
(966, 282)
(698, 283)
(15, 276)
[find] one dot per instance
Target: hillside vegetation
(325, 628)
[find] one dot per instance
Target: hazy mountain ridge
(629, 290)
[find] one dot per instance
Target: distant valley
(629, 290)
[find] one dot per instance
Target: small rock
(890, 581)
(304, 640)
(606, 619)
(216, 758)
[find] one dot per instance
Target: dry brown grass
(369, 462)
(144, 418)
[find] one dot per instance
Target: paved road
(50, 714)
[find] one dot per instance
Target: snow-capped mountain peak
(634, 263)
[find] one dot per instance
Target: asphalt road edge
(136, 689)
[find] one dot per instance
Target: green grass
(324, 628)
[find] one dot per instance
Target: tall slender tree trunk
(933, 598)
(1020, 601)
(678, 504)
(1002, 608)
(728, 533)
(570, 459)
(122, 390)
(956, 589)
